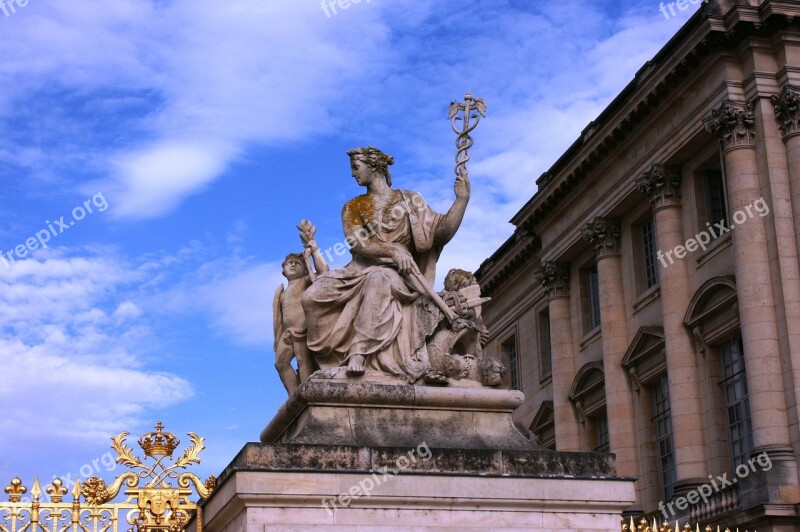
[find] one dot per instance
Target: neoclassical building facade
(648, 303)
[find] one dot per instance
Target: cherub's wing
(277, 316)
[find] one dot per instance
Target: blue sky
(208, 129)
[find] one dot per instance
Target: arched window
(646, 362)
(543, 426)
(713, 318)
(588, 394)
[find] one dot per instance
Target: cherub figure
(289, 320)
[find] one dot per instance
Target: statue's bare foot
(355, 366)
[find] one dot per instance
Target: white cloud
(71, 370)
(241, 304)
(212, 77)
(156, 179)
(193, 83)
(127, 310)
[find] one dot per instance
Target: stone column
(787, 113)
(787, 228)
(734, 125)
(554, 277)
(662, 185)
(604, 237)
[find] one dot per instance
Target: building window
(593, 286)
(663, 428)
(545, 353)
(543, 426)
(601, 430)
(649, 253)
(737, 403)
(588, 395)
(510, 349)
(716, 207)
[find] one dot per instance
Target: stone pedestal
(293, 487)
(380, 415)
(380, 457)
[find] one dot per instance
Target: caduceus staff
(473, 110)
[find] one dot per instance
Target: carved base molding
(324, 412)
(290, 487)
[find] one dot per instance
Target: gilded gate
(158, 495)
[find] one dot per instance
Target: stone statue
(456, 349)
(377, 311)
(376, 318)
(288, 318)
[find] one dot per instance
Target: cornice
(704, 32)
(509, 258)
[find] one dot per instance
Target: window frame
(649, 263)
(512, 339)
(544, 339)
(602, 435)
(592, 293)
(736, 378)
(708, 196)
(662, 418)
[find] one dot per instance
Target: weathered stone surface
(508, 463)
(300, 487)
(448, 459)
(367, 414)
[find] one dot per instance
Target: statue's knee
(283, 363)
(378, 279)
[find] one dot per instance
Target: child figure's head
(458, 279)
(294, 266)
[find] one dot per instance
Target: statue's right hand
(404, 261)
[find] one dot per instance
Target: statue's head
(492, 371)
(457, 279)
(375, 159)
(294, 266)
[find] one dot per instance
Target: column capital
(554, 277)
(603, 235)
(662, 185)
(787, 110)
(733, 124)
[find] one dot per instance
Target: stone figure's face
(362, 172)
(293, 268)
(495, 374)
(457, 366)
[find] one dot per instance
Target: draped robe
(367, 308)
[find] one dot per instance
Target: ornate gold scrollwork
(155, 506)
